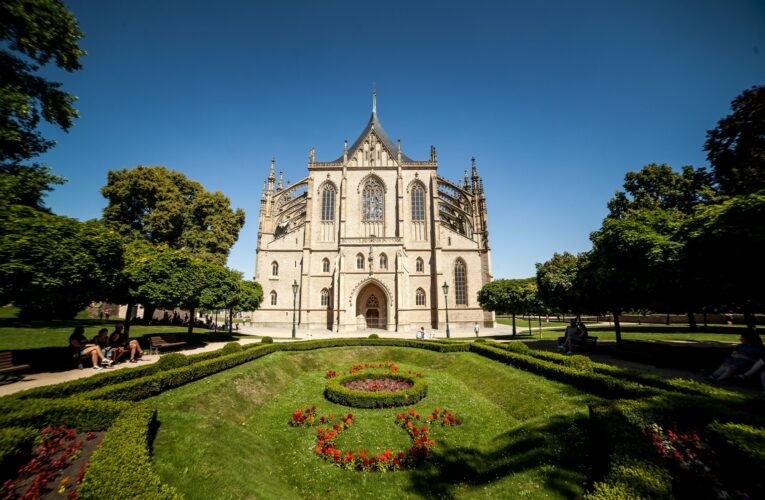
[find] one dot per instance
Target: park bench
(164, 342)
(6, 364)
(589, 342)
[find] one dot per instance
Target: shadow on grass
(555, 452)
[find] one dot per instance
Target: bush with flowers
(362, 460)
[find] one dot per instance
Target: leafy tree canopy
(559, 284)
(513, 296)
(53, 266)
(33, 33)
(162, 206)
(660, 187)
(736, 147)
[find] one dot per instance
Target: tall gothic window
(460, 287)
(273, 298)
(359, 261)
(328, 204)
(420, 297)
(325, 265)
(372, 201)
(418, 203)
(324, 297)
(420, 266)
(274, 269)
(383, 261)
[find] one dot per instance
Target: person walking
(476, 328)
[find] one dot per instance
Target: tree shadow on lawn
(557, 449)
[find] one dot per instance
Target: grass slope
(227, 435)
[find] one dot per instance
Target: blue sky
(556, 99)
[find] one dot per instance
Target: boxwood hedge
(337, 393)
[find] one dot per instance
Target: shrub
(337, 393)
(266, 340)
(121, 465)
(740, 454)
(15, 446)
(231, 347)
(518, 347)
(172, 361)
(480, 340)
(373, 336)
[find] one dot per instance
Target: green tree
(245, 296)
(736, 147)
(559, 285)
(174, 279)
(725, 241)
(34, 33)
(52, 266)
(162, 206)
(513, 296)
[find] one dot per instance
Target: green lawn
(16, 334)
(227, 436)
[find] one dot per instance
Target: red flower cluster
(444, 417)
(388, 365)
(684, 448)
(330, 374)
(303, 418)
(58, 447)
(377, 385)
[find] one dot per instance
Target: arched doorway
(372, 303)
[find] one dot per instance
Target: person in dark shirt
(743, 357)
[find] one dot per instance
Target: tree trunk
(692, 322)
(230, 321)
(705, 320)
(192, 315)
(617, 327)
(529, 317)
(540, 326)
(128, 316)
(667, 319)
(750, 320)
(513, 324)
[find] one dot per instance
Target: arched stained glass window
(383, 261)
(372, 201)
(325, 265)
(274, 269)
(418, 203)
(420, 266)
(324, 297)
(328, 204)
(420, 297)
(273, 298)
(460, 283)
(359, 261)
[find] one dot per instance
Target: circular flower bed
(376, 390)
(381, 384)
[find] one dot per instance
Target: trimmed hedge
(740, 453)
(588, 381)
(121, 466)
(73, 412)
(15, 446)
(337, 393)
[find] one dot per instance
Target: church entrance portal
(371, 302)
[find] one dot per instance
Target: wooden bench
(589, 342)
(6, 364)
(164, 342)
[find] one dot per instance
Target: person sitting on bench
(121, 340)
(743, 357)
(576, 334)
(102, 341)
(81, 347)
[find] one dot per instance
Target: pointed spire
(311, 155)
(465, 183)
(398, 150)
(281, 177)
(476, 187)
(271, 176)
(374, 101)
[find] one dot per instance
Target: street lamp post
(294, 299)
(446, 303)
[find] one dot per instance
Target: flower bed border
(335, 392)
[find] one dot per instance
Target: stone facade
(369, 239)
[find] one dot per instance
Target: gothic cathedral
(373, 240)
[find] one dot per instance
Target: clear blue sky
(556, 99)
